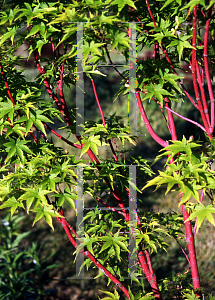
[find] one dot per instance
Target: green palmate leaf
(16, 129)
(33, 31)
(17, 147)
(166, 3)
(47, 212)
(10, 34)
(39, 46)
(39, 216)
(106, 245)
(69, 198)
(86, 241)
(122, 3)
(93, 142)
(156, 91)
(117, 250)
(119, 38)
(13, 204)
(91, 48)
(211, 3)
(188, 190)
(114, 296)
(85, 148)
(37, 193)
(4, 190)
(202, 212)
(193, 3)
(48, 219)
(29, 202)
(191, 296)
(40, 126)
(107, 19)
(171, 78)
(3, 18)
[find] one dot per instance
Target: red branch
(207, 74)
(91, 257)
(145, 270)
(150, 277)
(169, 60)
(198, 99)
(171, 120)
(62, 99)
(103, 119)
(201, 86)
(6, 84)
(191, 249)
(50, 90)
(11, 97)
(147, 123)
(189, 238)
(62, 138)
(63, 109)
(89, 151)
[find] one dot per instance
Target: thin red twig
(186, 119)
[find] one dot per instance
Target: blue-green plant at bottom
(21, 270)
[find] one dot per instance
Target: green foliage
(190, 173)
(42, 179)
(21, 270)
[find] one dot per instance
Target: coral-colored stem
(131, 9)
(150, 264)
(98, 102)
(171, 120)
(169, 60)
(91, 257)
(191, 249)
(53, 48)
(151, 279)
(150, 13)
(190, 242)
(207, 74)
(6, 85)
(188, 230)
(50, 90)
(198, 99)
(201, 86)
(11, 97)
(103, 119)
(147, 123)
(62, 138)
(109, 207)
(62, 99)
